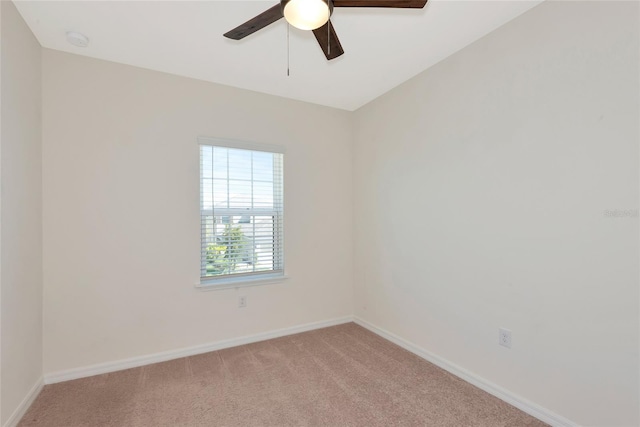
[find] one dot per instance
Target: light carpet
(338, 376)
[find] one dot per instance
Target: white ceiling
(383, 47)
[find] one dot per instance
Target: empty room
(319, 213)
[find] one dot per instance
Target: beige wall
(121, 215)
(20, 211)
(481, 191)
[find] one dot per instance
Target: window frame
(249, 278)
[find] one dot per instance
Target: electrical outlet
(504, 337)
(242, 302)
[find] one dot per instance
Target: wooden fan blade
(321, 36)
(414, 4)
(266, 18)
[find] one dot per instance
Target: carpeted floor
(338, 376)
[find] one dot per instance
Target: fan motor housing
(283, 3)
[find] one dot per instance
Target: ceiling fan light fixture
(307, 14)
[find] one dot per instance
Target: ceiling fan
(314, 15)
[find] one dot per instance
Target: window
(241, 212)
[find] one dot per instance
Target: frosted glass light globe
(306, 14)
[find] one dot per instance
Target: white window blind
(241, 213)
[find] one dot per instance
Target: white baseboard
(521, 403)
(17, 415)
(134, 362)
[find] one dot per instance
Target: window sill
(242, 282)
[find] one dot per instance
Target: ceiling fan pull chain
(288, 26)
